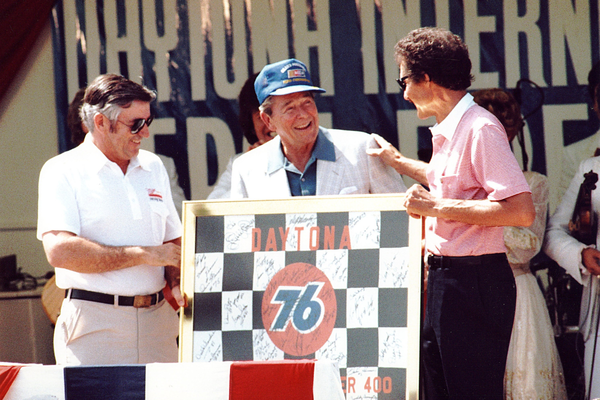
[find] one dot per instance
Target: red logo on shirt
(155, 195)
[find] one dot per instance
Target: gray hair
(108, 95)
(267, 106)
(88, 112)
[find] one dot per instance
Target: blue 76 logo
(300, 305)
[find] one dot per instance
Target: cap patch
(296, 73)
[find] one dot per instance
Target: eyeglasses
(402, 82)
(138, 124)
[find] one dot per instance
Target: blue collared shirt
(305, 184)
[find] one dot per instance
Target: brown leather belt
(141, 301)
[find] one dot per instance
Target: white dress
(533, 366)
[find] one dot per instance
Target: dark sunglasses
(402, 82)
(138, 124)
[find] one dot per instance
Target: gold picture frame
(222, 235)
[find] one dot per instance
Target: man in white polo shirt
(109, 227)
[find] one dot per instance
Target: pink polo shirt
(471, 160)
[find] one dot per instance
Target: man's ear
(101, 123)
(268, 121)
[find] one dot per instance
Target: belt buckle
(431, 261)
(142, 301)
(435, 262)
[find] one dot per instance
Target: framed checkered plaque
(335, 278)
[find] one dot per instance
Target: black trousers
(467, 328)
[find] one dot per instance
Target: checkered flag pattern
(364, 257)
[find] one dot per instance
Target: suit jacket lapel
(277, 184)
(329, 175)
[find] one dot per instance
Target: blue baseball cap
(283, 77)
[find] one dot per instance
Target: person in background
(78, 131)
(176, 190)
(581, 259)
(576, 152)
(476, 187)
(254, 129)
(304, 158)
(76, 127)
(109, 227)
(533, 366)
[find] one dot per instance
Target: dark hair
(73, 118)
(115, 89)
(439, 53)
(594, 81)
(248, 103)
(108, 94)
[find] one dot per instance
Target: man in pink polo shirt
(475, 188)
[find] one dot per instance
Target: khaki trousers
(90, 333)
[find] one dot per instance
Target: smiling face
(417, 93)
(117, 142)
(295, 118)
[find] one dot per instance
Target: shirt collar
(96, 160)
(323, 150)
(448, 126)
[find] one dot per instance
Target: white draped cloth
(533, 366)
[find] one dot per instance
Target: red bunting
(8, 373)
(253, 380)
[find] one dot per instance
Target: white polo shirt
(82, 192)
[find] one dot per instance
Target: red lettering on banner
(368, 384)
(271, 244)
(345, 240)
(313, 242)
(284, 236)
(351, 382)
(329, 238)
(375, 384)
(387, 384)
(256, 239)
(314, 239)
(299, 230)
